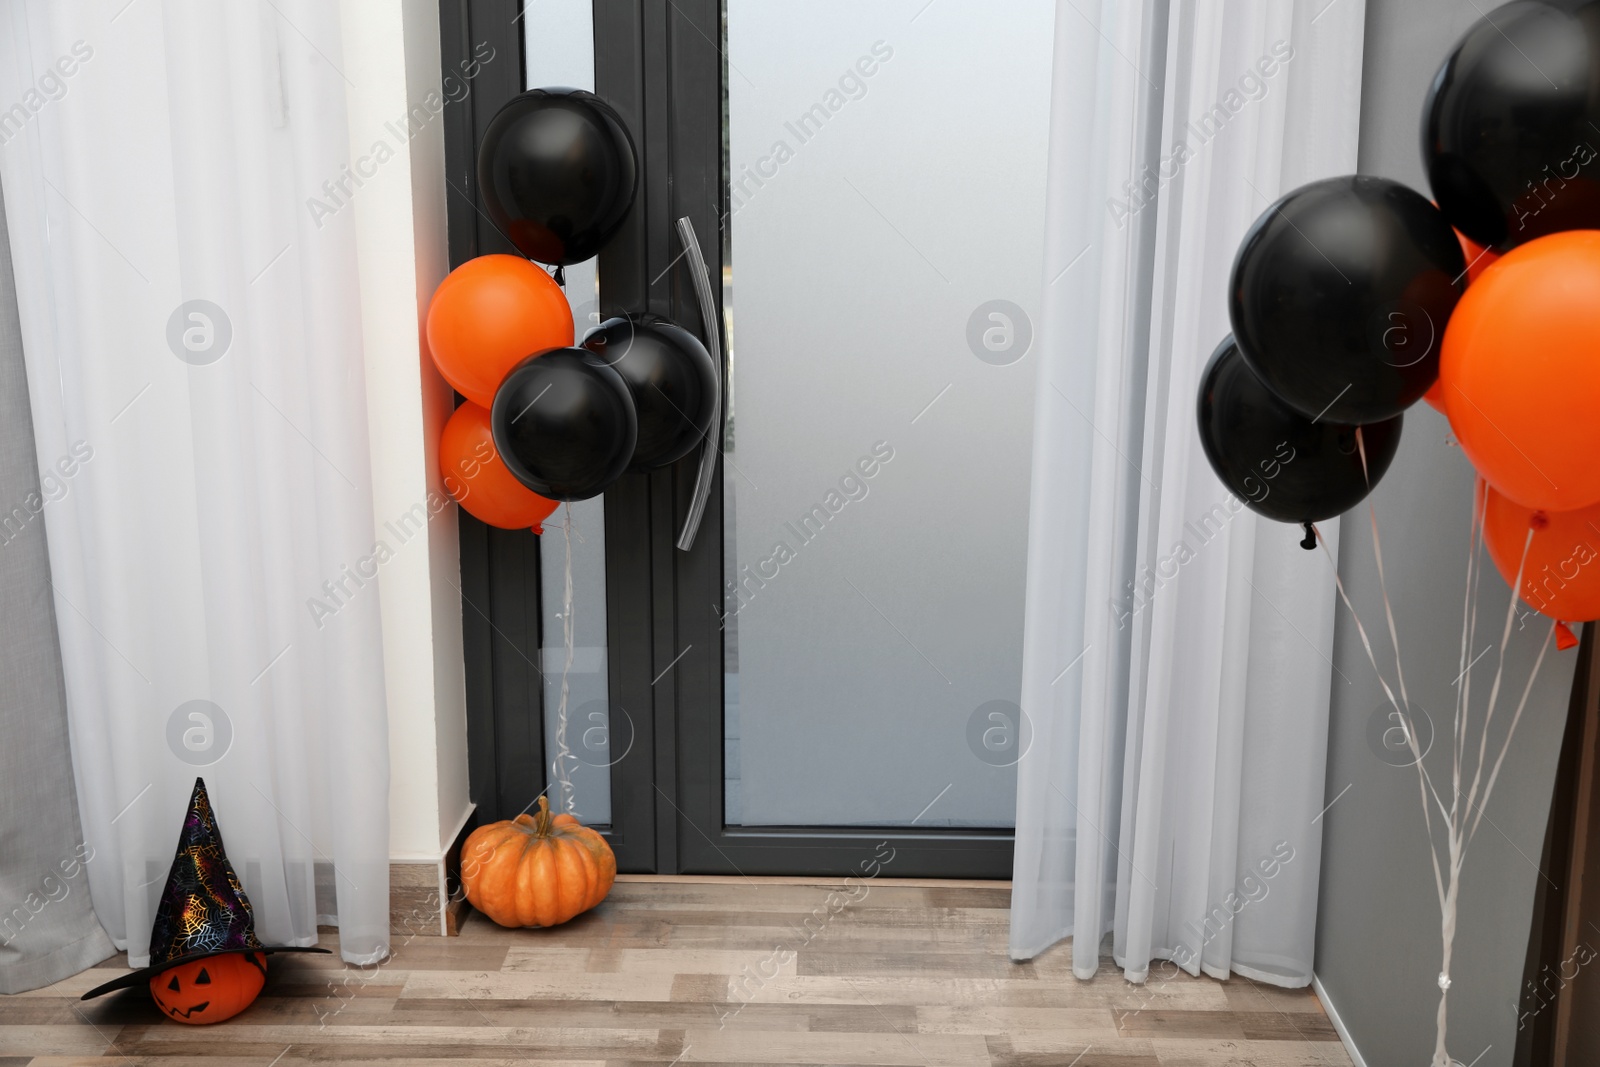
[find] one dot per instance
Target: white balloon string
(1460, 835)
(1383, 587)
(1469, 630)
(1499, 671)
(1424, 785)
(1472, 631)
(560, 766)
(1505, 747)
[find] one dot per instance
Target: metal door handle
(713, 441)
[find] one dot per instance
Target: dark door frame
(502, 626)
(1548, 1013)
(660, 64)
(500, 593)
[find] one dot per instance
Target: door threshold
(816, 880)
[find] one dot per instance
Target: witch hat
(203, 910)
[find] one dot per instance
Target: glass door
(827, 681)
(884, 242)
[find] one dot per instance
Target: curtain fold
(47, 925)
(177, 185)
(1177, 649)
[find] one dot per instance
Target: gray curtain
(48, 929)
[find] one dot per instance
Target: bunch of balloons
(545, 420)
(1353, 297)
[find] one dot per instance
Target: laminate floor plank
(724, 971)
(844, 959)
(855, 934)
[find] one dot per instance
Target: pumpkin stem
(542, 819)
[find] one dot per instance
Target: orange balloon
(1479, 259)
(488, 315)
(475, 477)
(1520, 368)
(1561, 577)
(1435, 397)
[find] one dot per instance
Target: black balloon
(672, 378)
(1509, 133)
(1340, 294)
(1278, 462)
(564, 424)
(558, 173)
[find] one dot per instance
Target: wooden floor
(667, 973)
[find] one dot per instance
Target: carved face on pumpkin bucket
(212, 989)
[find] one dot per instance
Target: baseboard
(1338, 1023)
(455, 898)
(423, 901)
(414, 899)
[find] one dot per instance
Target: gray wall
(1378, 938)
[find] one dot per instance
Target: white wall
(391, 53)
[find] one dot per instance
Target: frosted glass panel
(886, 170)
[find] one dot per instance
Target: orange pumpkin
(212, 989)
(537, 870)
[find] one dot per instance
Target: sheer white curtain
(1176, 662)
(211, 458)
